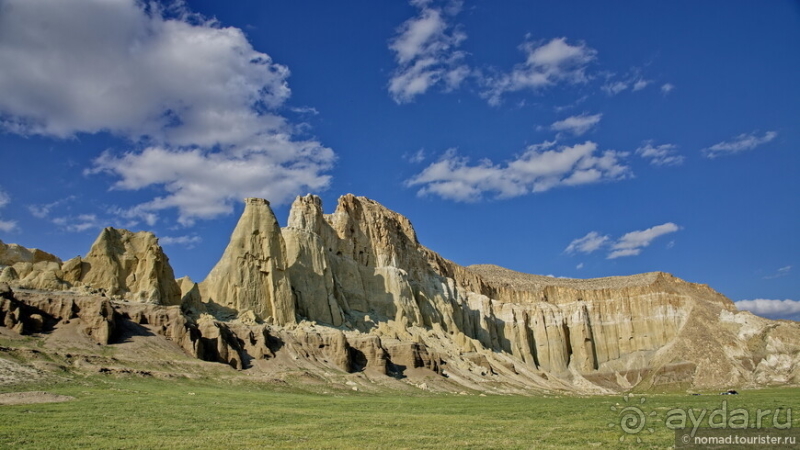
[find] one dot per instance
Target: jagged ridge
(359, 286)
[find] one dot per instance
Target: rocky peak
(251, 273)
(372, 234)
(130, 265)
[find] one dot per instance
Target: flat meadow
(110, 411)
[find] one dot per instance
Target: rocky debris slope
(354, 292)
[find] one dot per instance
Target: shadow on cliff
(128, 330)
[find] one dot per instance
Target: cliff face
(355, 291)
(616, 333)
(251, 275)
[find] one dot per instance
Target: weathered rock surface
(251, 275)
(11, 254)
(30, 268)
(354, 292)
(37, 312)
(385, 282)
(130, 265)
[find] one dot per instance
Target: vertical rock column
(252, 271)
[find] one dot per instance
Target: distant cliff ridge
(355, 291)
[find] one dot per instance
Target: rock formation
(30, 267)
(251, 275)
(130, 265)
(355, 292)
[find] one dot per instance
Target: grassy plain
(111, 411)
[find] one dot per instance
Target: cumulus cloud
(632, 243)
(577, 125)
(161, 77)
(666, 88)
(772, 309)
(540, 168)
(660, 155)
(741, 143)
(593, 241)
(426, 51)
(545, 65)
(203, 184)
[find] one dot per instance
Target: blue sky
(559, 138)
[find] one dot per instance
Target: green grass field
(137, 412)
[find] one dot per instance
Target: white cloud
(171, 80)
(79, 223)
(188, 241)
(540, 168)
(205, 184)
(591, 242)
(615, 87)
(416, 157)
(577, 125)
(305, 110)
(426, 53)
(545, 65)
(666, 88)
(640, 84)
(782, 272)
(740, 143)
(6, 226)
(660, 155)
(122, 67)
(579, 266)
(632, 243)
(773, 309)
(43, 211)
(633, 81)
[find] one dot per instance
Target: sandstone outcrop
(355, 292)
(38, 312)
(251, 275)
(30, 267)
(132, 266)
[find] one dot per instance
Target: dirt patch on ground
(12, 372)
(25, 398)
